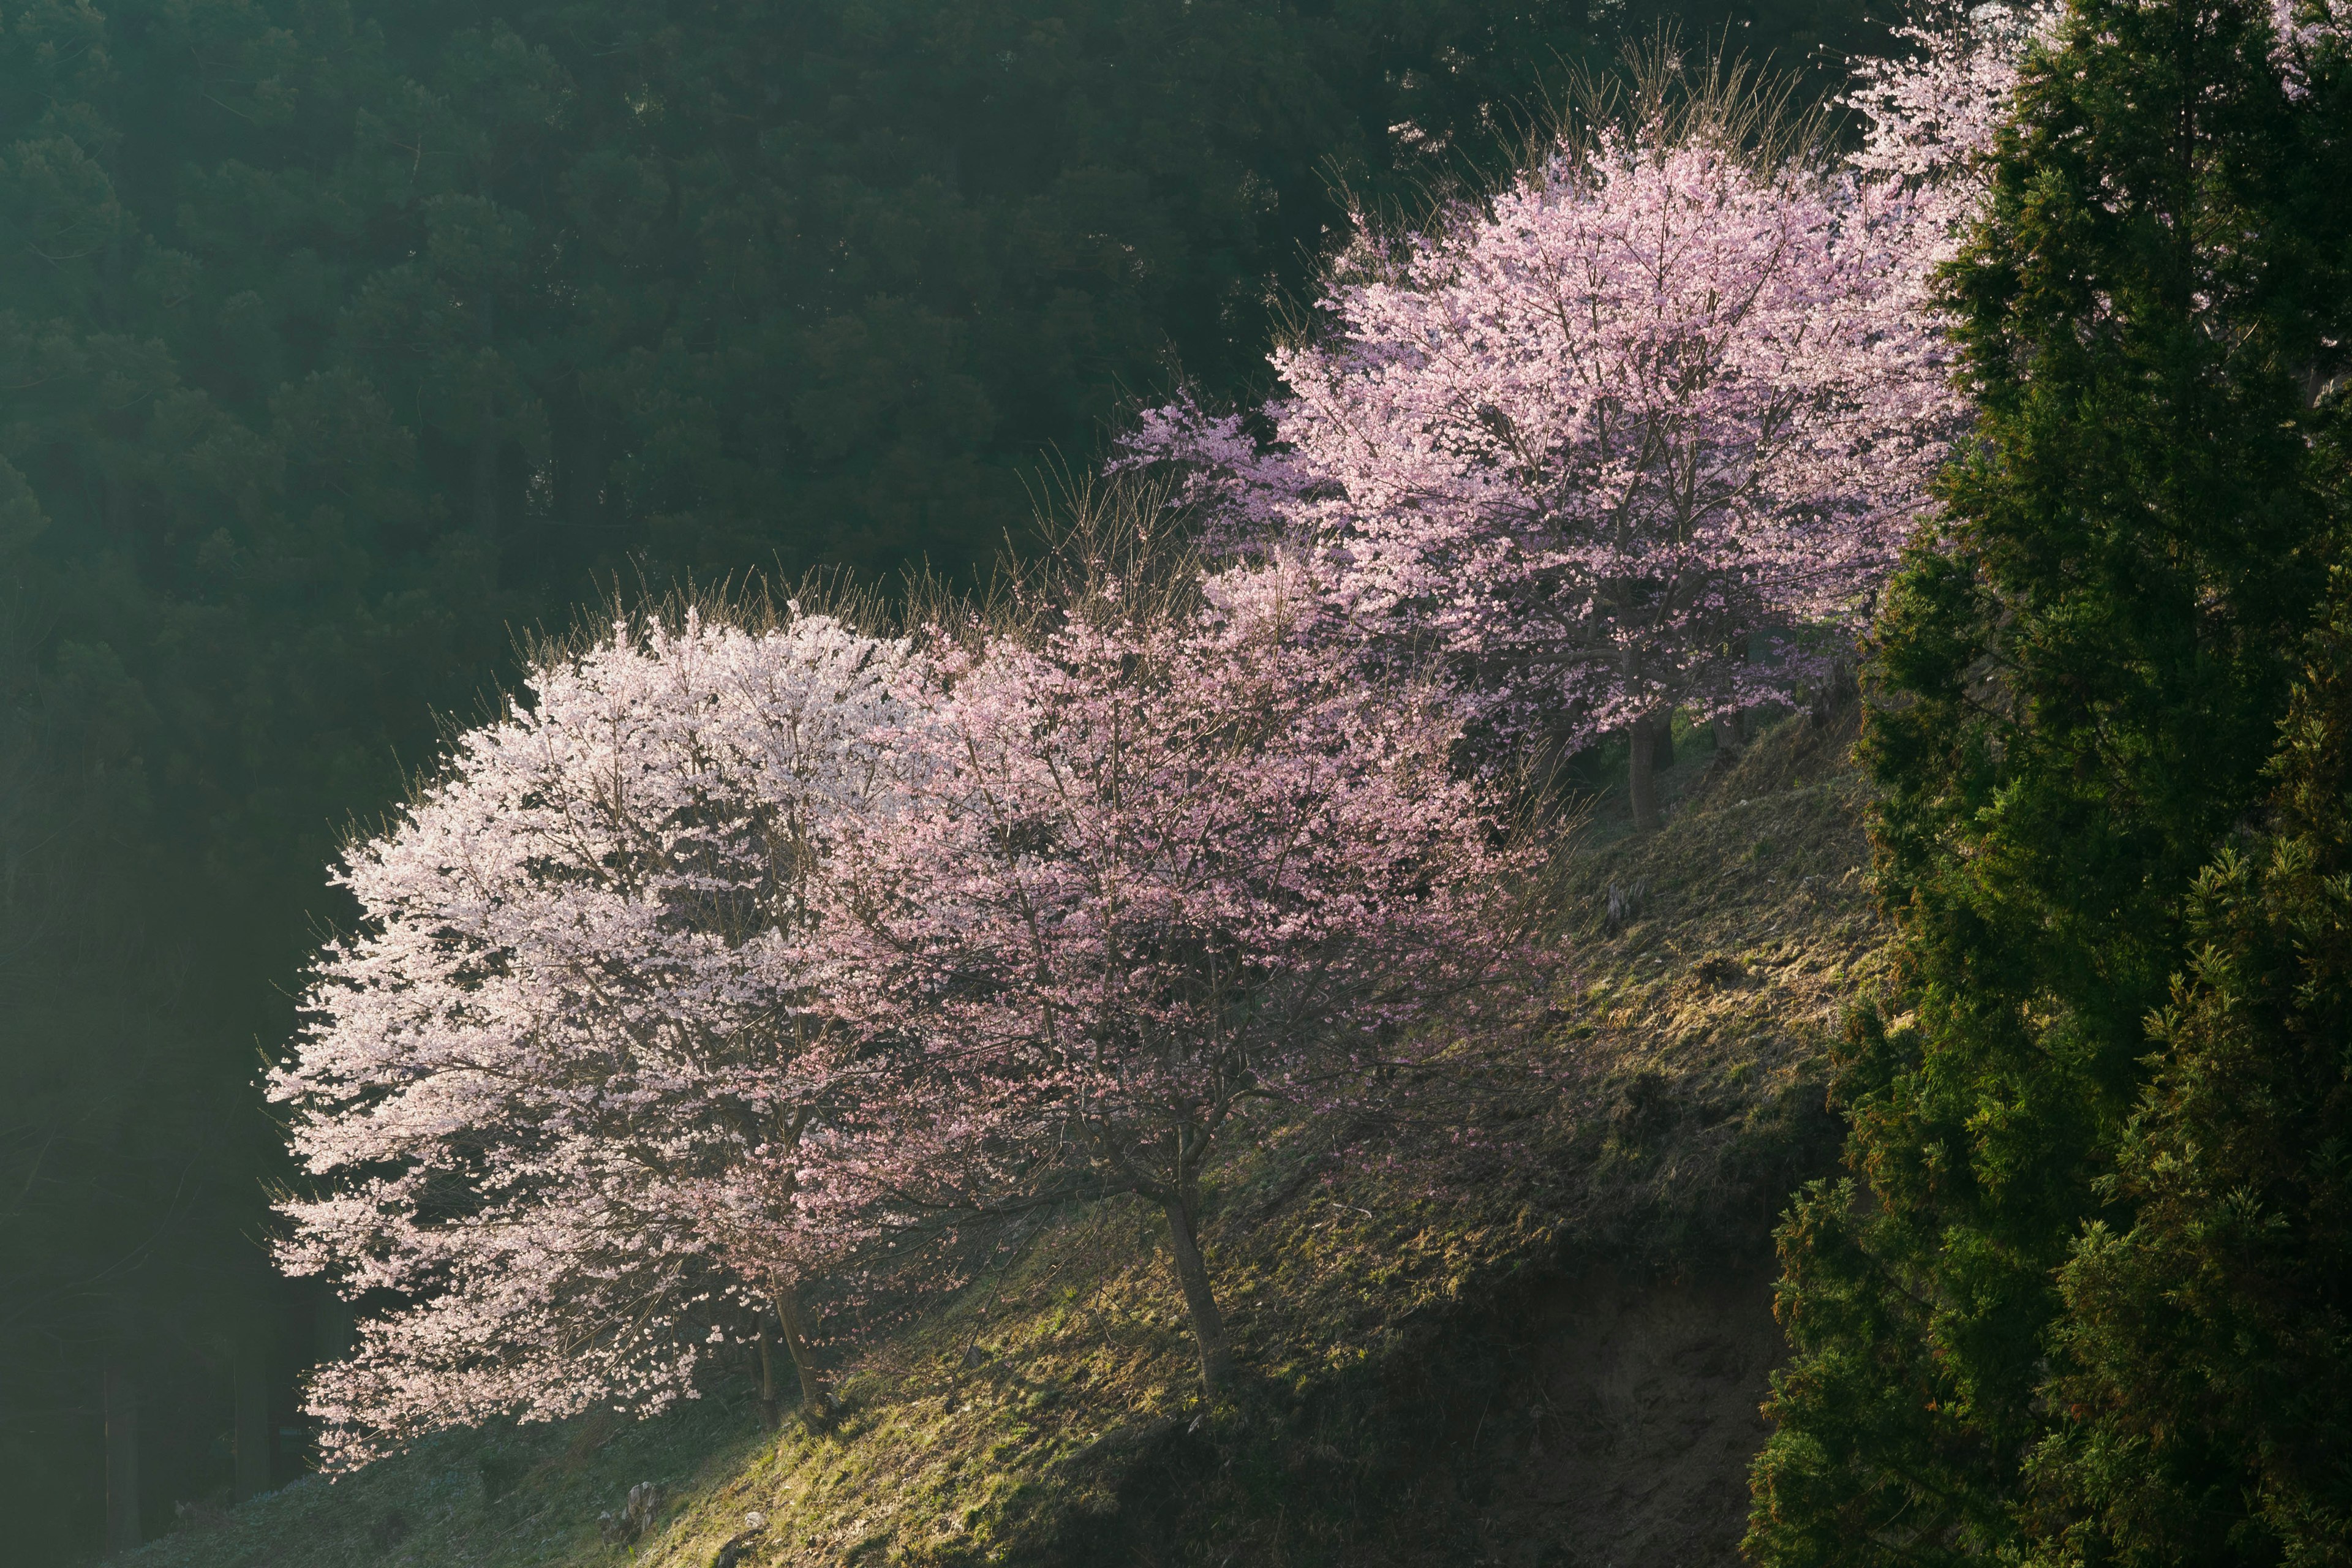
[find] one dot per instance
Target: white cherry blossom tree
(565, 1112)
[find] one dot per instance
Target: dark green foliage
(2206, 1378)
(2074, 690)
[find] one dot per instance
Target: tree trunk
(581, 461)
(332, 1326)
(113, 500)
(486, 486)
(816, 1404)
(770, 1414)
(486, 452)
(1727, 735)
(117, 273)
(1640, 773)
(252, 1433)
(122, 1457)
(1208, 1323)
(1836, 690)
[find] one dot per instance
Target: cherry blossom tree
(1169, 858)
(1666, 398)
(1930, 115)
(562, 1098)
(2311, 35)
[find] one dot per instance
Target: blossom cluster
(2305, 33)
(574, 1029)
(1929, 116)
(1163, 865)
(1646, 428)
(728, 953)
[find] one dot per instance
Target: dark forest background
(344, 343)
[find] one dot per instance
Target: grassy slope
(1389, 1313)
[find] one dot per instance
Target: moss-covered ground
(1048, 1412)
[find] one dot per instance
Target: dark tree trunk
(1208, 1323)
(486, 453)
(582, 462)
(114, 498)
(117, 274)
(332, 1327)
(1641, 773)
(1836, 689)
(252, 1433)
(122, 1457)
(816, 1402)
(486, 486)
(771, 1414)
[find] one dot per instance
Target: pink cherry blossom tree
(1929, 113)
(1666, 397)
(561, 1101)
(2311, 34)
(1170, 863)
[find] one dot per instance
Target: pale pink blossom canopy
(566, 1065)
(1647, 428)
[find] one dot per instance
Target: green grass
(1049, 1412)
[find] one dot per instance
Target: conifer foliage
(2075, 688)
(2207, 1394)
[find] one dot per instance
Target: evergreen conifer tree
(2078, 678)
(2207, 1395)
